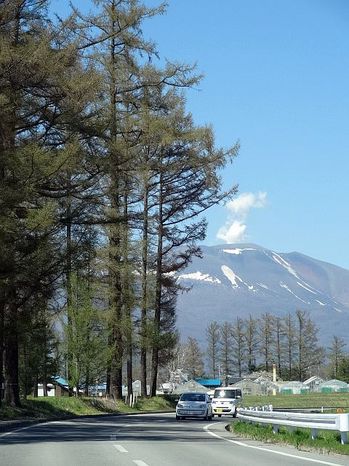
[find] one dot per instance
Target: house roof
(191, 386)
(312, 379)
(60, 381)
(209, 382)
(333, 383)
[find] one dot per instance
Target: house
(50, 387)
(136, 389)
(190, 386)
(58, 387)
(252, 387)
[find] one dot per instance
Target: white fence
(313, 421)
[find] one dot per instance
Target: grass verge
(51, 407)
(326, 442)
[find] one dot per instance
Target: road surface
(145, 440)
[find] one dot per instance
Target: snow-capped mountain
(243, 279)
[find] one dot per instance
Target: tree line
(104, 182)
(290, 342)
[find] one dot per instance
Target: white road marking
(120, 448)
(242, 444)
(140, 463)
(21, 428)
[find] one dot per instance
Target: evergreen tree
(193, 358)
(266, 338)
(226, 343)
(85, 337)
(252, 343)
(290, 345)
(38, 353)
(213, 336)
(188, 184)
(279, 343)
(309, 354)
(343, 369)
(239, 344)
(113, 38)
(336, 355)
(36, 84)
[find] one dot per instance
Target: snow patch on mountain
(283, 285)
(233, 278)
(237, 251)
(200, 277)
(306, 287)
(284, 264)
(230, 275)
(263, 286)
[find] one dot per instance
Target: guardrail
(336, 422)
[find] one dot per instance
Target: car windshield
(192, 397)
(227, 393)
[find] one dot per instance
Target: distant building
(136, 389)
(190, 386)
(313, 383)
(259, 386)
(294, 388)
(58, 387)
(333, 386)
(51, 389)
(210, 384)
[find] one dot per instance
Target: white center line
(120, 448)
(140, 463)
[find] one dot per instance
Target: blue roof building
(209, 383)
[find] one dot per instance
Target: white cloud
(246, 201)
(233, 233)
(234, 230)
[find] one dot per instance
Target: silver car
(193, 404)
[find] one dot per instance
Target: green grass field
(311, 400)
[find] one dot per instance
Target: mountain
(237, 280)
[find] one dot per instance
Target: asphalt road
(145, 440)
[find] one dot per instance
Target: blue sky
(276, 79)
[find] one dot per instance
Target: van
(224, 401)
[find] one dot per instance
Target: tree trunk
(144, 331)
(115, 236)
(36, 388)
(11, 395)
(87, 380)
(116, 309)
(300, 317)
(158, 290)
(2, 314)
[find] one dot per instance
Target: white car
(193, 404)
(224, 401)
